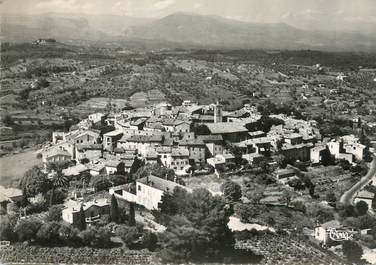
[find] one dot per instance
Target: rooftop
(9, 193)
(160, 184)
(143, 138)
(75, 206)
(364, 194)
(113, 133)
(226, 127)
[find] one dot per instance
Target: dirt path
(348, 197)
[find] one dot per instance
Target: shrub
(48, 233)
(361, 207)
(149, 240)
(129, 235)
(232, 191)
(352, 251)
(27, 229)
(68, 235)
(58, 196)
(6, 228)
(54, 213)
(96, 237)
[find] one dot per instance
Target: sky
(307, 12)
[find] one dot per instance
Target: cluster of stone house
(346, 147)
(182, 136)
(163, 133)
(178, 138)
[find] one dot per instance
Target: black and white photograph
(208, 132)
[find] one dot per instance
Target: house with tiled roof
(365, 196)
(8, 195)
(230, 131)
(93, 211)
(174, 125)
(213, 143)
(176, 158)
(148, 193)
(55, 155)
(142, 143)
(110, 139)
(89, 151)
(196, 148)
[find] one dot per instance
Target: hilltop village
(116, 155)
(129, 173)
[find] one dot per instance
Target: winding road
(348, 197)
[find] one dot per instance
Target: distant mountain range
(181, 29)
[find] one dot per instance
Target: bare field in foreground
(13, 167)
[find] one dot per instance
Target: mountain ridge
(184, 29)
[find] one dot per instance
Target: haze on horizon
(337, 15)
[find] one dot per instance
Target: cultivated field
(13, 167)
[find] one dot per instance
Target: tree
(182, 242)
(361, 207)
(58, 181)
(101, 182)
(155, 170)
(58, 196)
(114, 210)
(69, 235)
(344, 164)
(237, 152)
(280, 159)
(129, 235)
(48, 233)
(330, 197)
(26, 229)
(82, 220)
(137, 164)
(84, 161)
(34, 181)
(232, 191)
(149, 240)
(6, 228)
(352, 251)
(24, 201)
(199, 230)
(96, 237)
(131, 218)
(85, 178)
(326, 157)
(54, 213)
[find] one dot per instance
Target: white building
(365, 196)
(149, 191)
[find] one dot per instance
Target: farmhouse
(148, 193)
(93, 211)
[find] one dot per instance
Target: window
(139, 187)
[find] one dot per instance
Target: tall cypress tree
(132, 218)
(82, 221)
(114, 210)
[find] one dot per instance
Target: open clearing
(13, 167)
